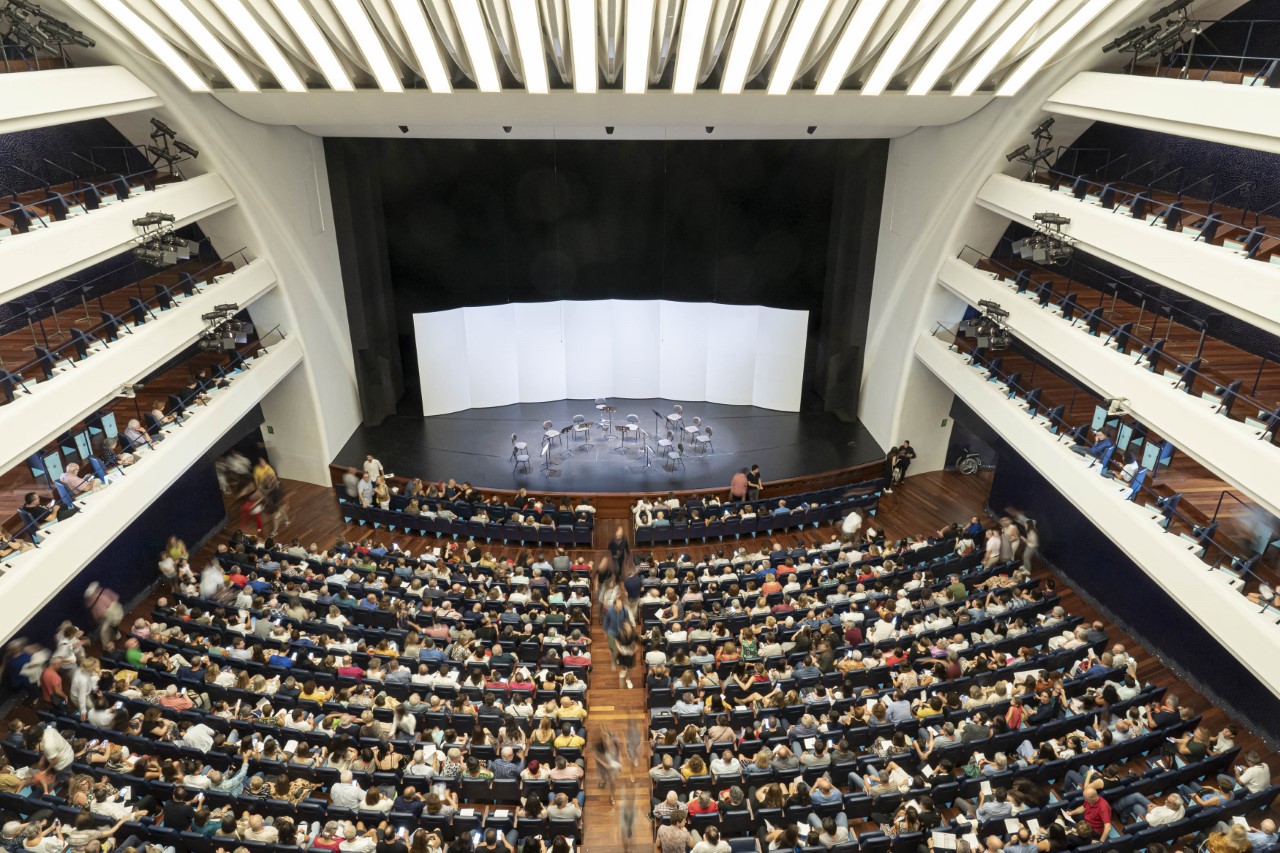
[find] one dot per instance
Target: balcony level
(46, 254)
(1214, 275)
(1237, 452)
(66, 548)
(1171, 562)
(31, 420)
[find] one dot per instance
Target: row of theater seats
(569, 530)
(805, 509)
(53, 203)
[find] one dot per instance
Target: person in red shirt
(703, 804)
(350, 670)
(238, 578)
(770, 585)
(51, 683)
(1096, 811)
(853, 635)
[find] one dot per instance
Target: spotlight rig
(224, 330)
(33, 28)
(158, 245)
(164, 141)
(1049, 245)
(1159, 38)
(1038, 155)
(990, 328)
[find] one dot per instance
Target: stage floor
(475, 446)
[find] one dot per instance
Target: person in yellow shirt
(570, 709)
(313, 692)
(568, 737)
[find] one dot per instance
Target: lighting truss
(1049, 245)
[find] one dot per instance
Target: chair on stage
(580, 428)
(676, 457)
(632, 428)
(549, 432)
(703, 440)
(603, 407)
(518, 447)
(675, 420)
(691, 431)
(665, 444)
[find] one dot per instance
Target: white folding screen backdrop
(496, 355)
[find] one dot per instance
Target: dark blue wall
(1102, 573)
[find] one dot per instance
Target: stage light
(1051, 219)
(746, 36)
(639, 38)
(186, 149)
(710, 129)
(210, 45)
(506, 128)
(155, 43)
(533, 59)
(361, 29)
(582, 45)
(1049, 48)
(1176, 6)
(850, 44)
(803, 25)
(1042, 130)
(903, 40)
(244, 21)
(944, 54)
(995, 53)
(316, 44)
(608, 129)
(1014, 155)
(811, 129)
(693, 35)
(162, 129)
(475, 35)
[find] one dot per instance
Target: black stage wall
(429, 225)
(1104, 574)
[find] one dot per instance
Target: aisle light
(317, 45)
(533, 59)
(903, 40)
(803, 26)
(746, 36)
(1049, 48)
(423, 43)
(210, 45)
(850, 44)
(945, 53)
(693, 35)
(475, 35)
(154, 42)
(361, 29)
(262, 44)
(582, 43)
(639, 40)
(1009, 37)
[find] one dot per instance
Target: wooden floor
(921, 505)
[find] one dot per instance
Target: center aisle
(925, 503)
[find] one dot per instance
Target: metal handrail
(67, 198)
(1095, 319)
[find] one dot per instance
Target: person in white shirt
(1253, 777)
(353, 842)
(346, 794)
(199, 736)
(54, 749)
(373, 467)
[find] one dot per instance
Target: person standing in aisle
(755, 483)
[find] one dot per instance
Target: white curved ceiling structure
(590, 46)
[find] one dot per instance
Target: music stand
(644, 441)
(546, 456)
(658, 420)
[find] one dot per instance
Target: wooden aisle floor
(923, 504)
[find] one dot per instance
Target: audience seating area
(871, 714)
(255, 652)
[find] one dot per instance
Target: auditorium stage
(475, 446)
